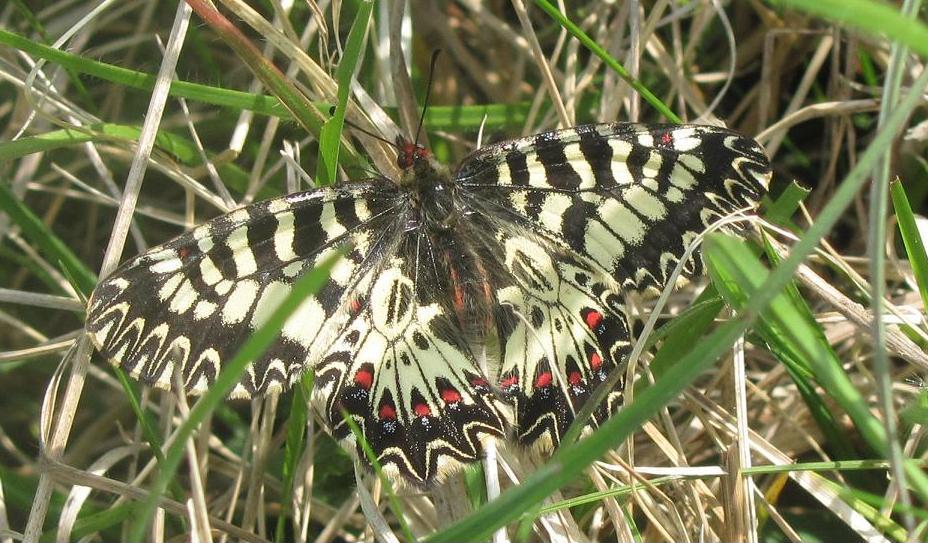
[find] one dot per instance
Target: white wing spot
(531, 266)
(293, 269)
(271, 297)
(223, 287)
(505, 174)
(537, 177)
(205, 243)
(692, 162)
(623, 221)
(552, 211)
(204, 309)
(518, 200)
(184, 298)
(238, 216)
(305, 323)
(392, 302)
(361, 210)
(166, 266)
(674, 195)
(329, 222)
(343, 270)
(209, 272)
(209, 357)
(644, 202)
(283, 238)
(580, 165)
(239, 302)
(652, 167)
(682, 178)
(620, 152)
(685, 139)
(603, 245)
(237, 242)
(169, 286)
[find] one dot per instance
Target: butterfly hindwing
(562, 331)
(405, 374)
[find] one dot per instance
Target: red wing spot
(509, 381)
(593, 318)
(183, 252)
(596, 361)
(544, 379)
(421, 410)
(364, 379)
(355, 306)
(450, 395)
(574, 378)
(387, 412)
(666, 138)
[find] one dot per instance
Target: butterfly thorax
(432, 192)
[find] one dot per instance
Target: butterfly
(472, 305)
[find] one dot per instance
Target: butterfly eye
(405, 160)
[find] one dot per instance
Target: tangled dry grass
(715, 465)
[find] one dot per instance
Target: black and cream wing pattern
(528, 249)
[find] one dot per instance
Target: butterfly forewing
(628, 197)
(525, 253)
(190, 304)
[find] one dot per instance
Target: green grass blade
(296, 434)
(604, 55)
(782, 210)
(291, 97)
(917, 412)
(437, 117)
(38, 233)
(262, 338)
(911, 238)
(874, 18)
(732, 281)
(331, 133)
(378, 470)
(180, 148)
(94, 523)
(236, 100)
(728, 253)
(683, 331)
(570, 461)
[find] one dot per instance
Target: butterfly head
(409, 154)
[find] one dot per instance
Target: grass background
(768, 407)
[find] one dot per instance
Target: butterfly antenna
(366, 132)
(428, 93)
